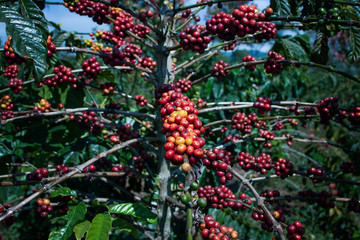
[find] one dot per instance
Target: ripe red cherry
(114, 139)
(169, 146)
(169, 154)
(177, 159)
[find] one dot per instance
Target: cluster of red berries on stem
(62, 169)
(96, 10)
(219, 197)
(64, 200)
(38, 174)
(260, 164)
(263, 104)
(328, 108)
(192, 38)
(266, 224)
(186, 13)
(51, 47)
(348, 167)
(140, 100)
(295, 110)
(249, 58)
(147, 62)
(354, 205)
(244, 123)
(146, 14)
(44, 207)
(102, 163)
(354, 115)
(11, 71)
(181, 126)
(322, 198)
(295, 231)
(6, 106)
(268, 135)
(91, 67)
(184, 84)
(89, 120)
(212, 162)
(200, 103)
(140, 30)
(222, 24)
(108, 88)
(42, 107)
(279, 126)
(268, 195)
(317, 172)
(283, 168)
(120, 58)
(10, 54)
(219, 71)
(212, 230)
(123, 22)
(124, 133)
(265, 31)
(62, 74)
(271, 65)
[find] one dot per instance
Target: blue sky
(74, 22)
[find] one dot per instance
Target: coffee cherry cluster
(218, 70)
(222, 24)
(268, 135)
(348, 167)
(295, 110)
(10, 54)
(91, 67)
(102, 163)
(6, 106)
(354, 115)
(42, 107)
(295, 231)
(279, 126)
(268, 195)
(38, 174)
(263, 104)
(181, 126)
(212, 162)
(140, 100)
(265, 31)
(147, 62)
(212, 230)
(123, 22)
(62, 75)
(62, 169)
(118, 168)
(64, 200)
(271, 66)
(112, 105)
(249, 58)
(186, 13)
(200, 103)
(108, 88)
(51, 47)
(88, 120)
(95, 10)
(310, 111)
(289, 140)
(184, 84)
(244, 123)
(11, 71)
(260, 164)
(192, 38)
(44, 207)
(106, 36)
(138, 162)
(322, 198)
(317, 172)
(140, 30)
(116, 57)
(16, 85)
(218, 197)
(354, 205)
(266, 223)
(124, 133)
(231, 138)
(327, 109)
(146, 14)
(283, 168)
(245, 22)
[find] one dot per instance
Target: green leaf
(74, 215)
(31, 10)
(290, 50)
(27, 39)
(81, 228)
(134, 210)
(125, 226)
(100, 228)
(281, 7)
(354, 37)
(64, 191)
(320, 52)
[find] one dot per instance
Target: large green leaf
(134, 210)
(100, 227)
(125, 226)
(281, 7)
(74, 215)
(64, 191)
(31, 11)
(291, 50)
(81, 228)
(27, 39)
(354, 37)
(320, 52)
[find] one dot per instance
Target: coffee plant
(161, 125)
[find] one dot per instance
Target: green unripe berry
(322, 11)
(185, 199)
(202, 202)
(194, 186)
